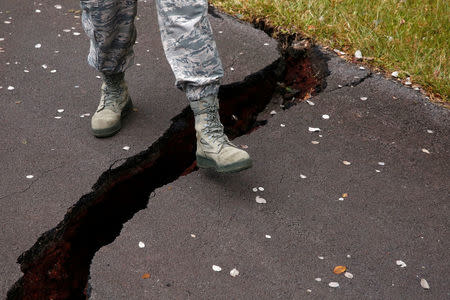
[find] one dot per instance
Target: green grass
(409, 36)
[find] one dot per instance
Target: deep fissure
(57, 265)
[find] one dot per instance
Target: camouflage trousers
(186, 36)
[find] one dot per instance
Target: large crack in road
(57, 265)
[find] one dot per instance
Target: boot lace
(111, 94)
(214, 128)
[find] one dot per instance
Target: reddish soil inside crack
(57, 266)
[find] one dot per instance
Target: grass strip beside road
(408, 36)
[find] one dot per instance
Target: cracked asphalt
(397, 144)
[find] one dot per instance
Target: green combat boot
(114, 104)
(214, 150)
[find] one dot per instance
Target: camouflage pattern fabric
(186, 36)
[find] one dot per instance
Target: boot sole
(206, 163)
(107, 132)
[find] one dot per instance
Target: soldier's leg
(189, 46)
(109, 25)
(191, 51)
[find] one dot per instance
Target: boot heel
(205, 163)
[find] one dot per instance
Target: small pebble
(37, 46)
(126, 148)
(216, 268)
(325, 117)
(141, 245)
(268, 236)
(358, 54)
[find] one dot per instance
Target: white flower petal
(348, 275)
(260, 200)
(333, 284)
(314, 129)
(425, 151)
(424, 284)
(234, 272)
(400, 263)
(216, 268)
(325, 117)
(141, 245)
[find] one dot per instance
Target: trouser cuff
(194, 93)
